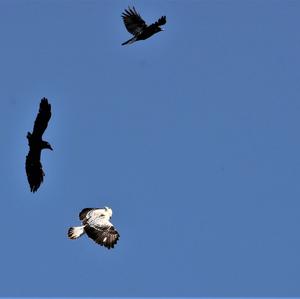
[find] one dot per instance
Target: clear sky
(191, 137)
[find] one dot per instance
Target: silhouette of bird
(137, 26)
(97, 226)
(36, 144)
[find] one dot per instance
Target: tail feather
(75, 232)
(130, 41)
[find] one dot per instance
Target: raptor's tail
(75, 232)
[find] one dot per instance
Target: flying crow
(97, 226)
(137, 26)
(34, 168)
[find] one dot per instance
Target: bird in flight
(137, 26)
(34, 169)
(96, 224)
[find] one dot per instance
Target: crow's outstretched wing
(103, 235)
(133, 21)
(42, 119)
(34, 170)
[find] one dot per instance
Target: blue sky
(192, 137)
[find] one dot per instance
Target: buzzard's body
(137, 26)
(96, 224)
(34, 170)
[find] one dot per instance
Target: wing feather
(34, 170)
(161, 21)
(133, 21)
(42, 119)
(105, 236)
(84, 212)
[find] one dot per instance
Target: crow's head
(158, 29)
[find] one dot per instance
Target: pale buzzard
(97, 226)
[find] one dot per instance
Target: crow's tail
(130, 41)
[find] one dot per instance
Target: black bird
(34, 168)
(137, 26)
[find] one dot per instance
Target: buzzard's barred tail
(75, 232)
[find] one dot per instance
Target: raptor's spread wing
(42, 119)
(34, 170)
(84, 212)
(104, 236)
(102, 231)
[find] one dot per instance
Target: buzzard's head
(109, 211)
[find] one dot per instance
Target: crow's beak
(50, 148)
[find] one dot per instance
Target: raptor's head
(47, 145)
(109, 211)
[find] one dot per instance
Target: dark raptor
(34, 169)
